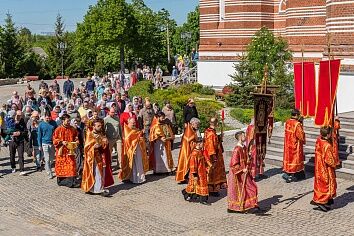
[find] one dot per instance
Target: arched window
(282, 6)
(221, 10)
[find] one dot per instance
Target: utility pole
(168, 45)
(62, 47)
(186, 36)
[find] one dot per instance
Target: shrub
(207, 109)
(282, 115)
(242, 115)
(245, 115)
(178, 98)
(188, 89)
(142, 88)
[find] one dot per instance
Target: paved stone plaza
(35, 205)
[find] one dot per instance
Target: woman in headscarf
(30, 104)
(78, 103)
(128, 113)
(72, 112)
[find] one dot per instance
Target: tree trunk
(122, 68)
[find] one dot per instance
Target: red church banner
(305, 88)
(327, 91)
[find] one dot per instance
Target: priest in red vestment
(214, 154)
(242, 193)
(293, 160)
(189, 139)
(97, 172)
(325, 184)
(65, 139)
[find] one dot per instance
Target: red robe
(242, 189)
(188, 142)
(214, 155)
(256, 164)
(134, 78)
(197, 168)
(335, 137)
(325, 184)
(294, 140)
(65, 163)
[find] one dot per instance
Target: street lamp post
(186, 36)
(62, 46)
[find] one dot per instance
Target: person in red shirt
(128, 113)
(55, 113)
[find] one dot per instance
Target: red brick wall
(302, 22)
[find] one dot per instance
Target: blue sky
(39, 15)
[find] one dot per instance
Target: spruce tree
(264, 49)
(55, 53)
(11, 50)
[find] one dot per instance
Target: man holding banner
(293, 160)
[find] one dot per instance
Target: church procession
(180, 117)
(84, 156)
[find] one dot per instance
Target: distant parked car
(220, 95)
(30, 78)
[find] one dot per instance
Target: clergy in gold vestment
(97, 172)
(214, 154)
(160, 151)
(135, 162)
(65, 164)
(293, 160)
(325, 184)
(189, 138)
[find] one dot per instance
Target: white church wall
(345, 93)
(215, 73)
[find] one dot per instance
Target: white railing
(187, 77)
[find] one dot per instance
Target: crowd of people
(86, 132)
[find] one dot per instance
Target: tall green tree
(148, 40)
(192, 25)
(264, 50)
(2, 64)
(11, 50)
(57, 54)
(108, 30)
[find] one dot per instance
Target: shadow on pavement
(129, 185)
(213, 199)
(266, 204)
(273, 171)
(5, 158)
(344, 199)
(26, 161)
(292, 200)
(269, 173)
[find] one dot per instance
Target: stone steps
(277, 146)
(309, 143)
(342, 131)
(347, 125)
(349, 140)
(346, 144)
(344, 173)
